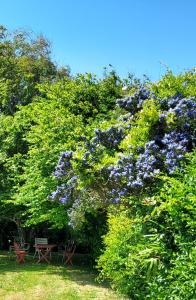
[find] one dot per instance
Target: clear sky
(137, 36)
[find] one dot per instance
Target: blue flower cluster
(135, 173)
(132, 175)
(121, 177)
(175, 146)
(183, 108)
(64, 170)
(134, 103)
(64, 165)
(148, 164)
(111, 137)
(63, 193)
(185, 111)
(167, 103)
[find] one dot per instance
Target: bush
(131, 258)
(154, 257)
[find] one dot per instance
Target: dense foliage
(104, 156)
(153, 257)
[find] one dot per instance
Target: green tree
(24, 62)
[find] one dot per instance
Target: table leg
(43, 256)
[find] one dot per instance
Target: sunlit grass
(54, 281)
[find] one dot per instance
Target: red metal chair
(22, 245)
(20, 253)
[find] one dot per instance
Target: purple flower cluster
(167, 103)
(173, 101)
(64, 171)
(148, 164)
(121, 177)
(183, 108)
(132, 175)
(136, 172)
(134, 103)
(111, 137)
(64, 165)
(92, 145)
(185, 111)
(174, 148)
(124, 169)
(63, 193)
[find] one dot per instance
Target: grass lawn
(55, 281)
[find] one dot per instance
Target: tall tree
(25, 61)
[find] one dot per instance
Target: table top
(44, 246)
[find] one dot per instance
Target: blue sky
(137, 36)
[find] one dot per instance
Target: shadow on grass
(82, 275)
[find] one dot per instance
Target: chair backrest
(16, 246)
(41, 241)
(20, 245)
(70, 246)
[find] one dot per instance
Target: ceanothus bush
(111, 137)
(134, 173)
(64, 165)
(134, 103)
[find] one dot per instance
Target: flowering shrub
(134, 103)
(153, 256)
(110, 138)
(154, 138)
(64, 165)
(149, 247)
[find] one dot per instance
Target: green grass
(49, 282)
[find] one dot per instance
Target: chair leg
(68, 261)
(20, 257)
(35, 254)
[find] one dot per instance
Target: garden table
(44, 251)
